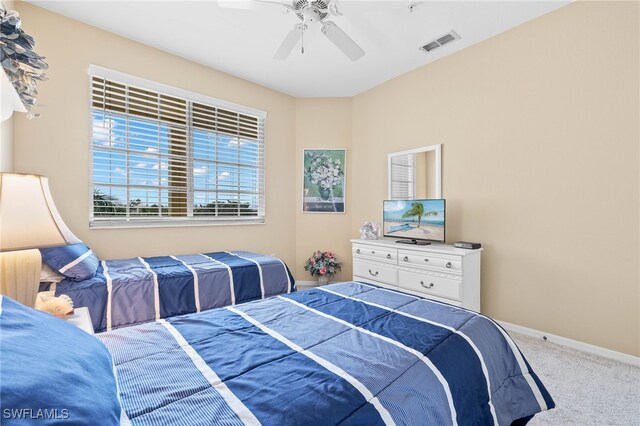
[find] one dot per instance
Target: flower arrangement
(324, 171)
(323, 264)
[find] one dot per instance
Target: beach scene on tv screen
(417, 219)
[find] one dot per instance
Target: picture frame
(324, 183)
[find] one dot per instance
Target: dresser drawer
(376, 272)
(375, 253)
(446, 264)
(429, 284)
(438, 271)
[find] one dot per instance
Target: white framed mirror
(415, 173)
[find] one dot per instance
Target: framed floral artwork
(324, 184)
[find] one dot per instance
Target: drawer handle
(426, 260)
(406, 258)
(426, 286)
(358, 251)
(448, 265)
(388, 256)
(373, 252)
(375, 275)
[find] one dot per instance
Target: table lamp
(28, 220)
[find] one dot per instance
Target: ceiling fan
(309, 12)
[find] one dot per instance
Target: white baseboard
(307, 284)
(574, 344)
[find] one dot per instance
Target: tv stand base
(414, 242)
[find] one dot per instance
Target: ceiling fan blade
(342, 41)
(289, 43)
(253, 4)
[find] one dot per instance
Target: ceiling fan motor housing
(311, 11)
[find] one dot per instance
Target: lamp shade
(28, 216)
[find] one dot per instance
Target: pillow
(49, 275)
(76, 261)
(52, 371)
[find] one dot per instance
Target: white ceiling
(242, 42)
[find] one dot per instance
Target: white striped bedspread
(347, 353)
(143, 289)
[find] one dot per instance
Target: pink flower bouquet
(323, 264)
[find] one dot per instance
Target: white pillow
(50, 275)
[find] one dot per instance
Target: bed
(131, 291)
(348, 353)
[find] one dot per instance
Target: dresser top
(433, 247)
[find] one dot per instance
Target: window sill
(171, 223)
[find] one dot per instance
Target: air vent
(440, 41)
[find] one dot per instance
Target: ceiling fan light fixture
(311, 15)
(311, 12)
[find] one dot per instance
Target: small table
(81, 319)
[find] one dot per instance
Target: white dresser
(436, 271)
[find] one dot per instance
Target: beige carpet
(587, 389)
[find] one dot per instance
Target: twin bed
(142, 289)
(348, 353)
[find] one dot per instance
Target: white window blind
(403, 176)
(162, 156)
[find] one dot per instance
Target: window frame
(96, 222)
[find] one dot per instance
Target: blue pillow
(52, 371)
(76, 261)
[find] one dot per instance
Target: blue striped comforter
(142, 289)
(347, 353)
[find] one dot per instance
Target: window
(403, 176)
(164, 156)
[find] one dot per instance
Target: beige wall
(323, 123)
(57, 143)
(6, 145)
(539, 128)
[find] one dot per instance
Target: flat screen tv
(414, 221)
